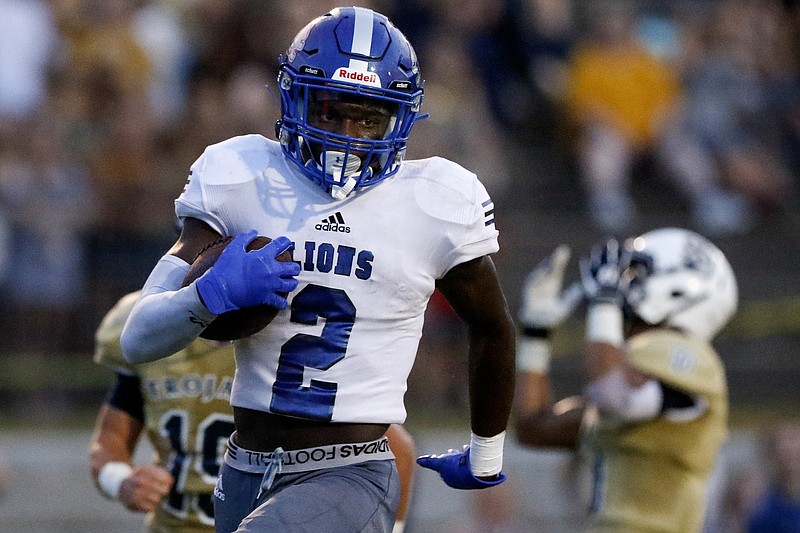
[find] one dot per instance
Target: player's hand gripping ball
(237, 323)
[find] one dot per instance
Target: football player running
(372, 236)
(655, 407)
(181, 402)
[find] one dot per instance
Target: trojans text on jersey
(207, 387)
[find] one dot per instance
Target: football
(238, 323)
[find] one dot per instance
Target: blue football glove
(602, 273)
(453, 467)
(243, 279)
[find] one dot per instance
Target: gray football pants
(348, 499)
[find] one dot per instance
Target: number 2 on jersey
(289, 395)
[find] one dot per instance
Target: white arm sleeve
(613, 395)
(166, 318)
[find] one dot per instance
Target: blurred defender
(656, 404)
(182, 403)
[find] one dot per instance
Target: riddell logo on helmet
(357, 76)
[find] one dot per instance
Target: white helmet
(681, 279)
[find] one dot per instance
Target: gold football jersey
(652, 476)
(187, 418)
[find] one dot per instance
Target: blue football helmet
(352, 54)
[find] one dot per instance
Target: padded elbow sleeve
(167, 317)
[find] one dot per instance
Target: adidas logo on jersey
(335, 222)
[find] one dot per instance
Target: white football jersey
(343, 349)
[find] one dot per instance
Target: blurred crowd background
(584, 119)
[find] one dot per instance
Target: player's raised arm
(545, 306)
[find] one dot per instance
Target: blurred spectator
(791, 93)
(743, 485)
(625, 104)
(50, 202)
(760, 491)
(135, 173)
(28, 37)
(227, 35)
(548, 35)
(739, 91)
(778, 509)
(460, 127)
(28, 42)
(252, 107)
(517, 50)
(491, 33)
(160, 30)
(216, 33)
(207, 120)
(132, 172)
(121, 110)
(100, 42)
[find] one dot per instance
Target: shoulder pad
(681, 361)
(233, 160)
(447, 191)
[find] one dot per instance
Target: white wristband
(533, 355)
(486, 454)
(604, 324)
(111, 477)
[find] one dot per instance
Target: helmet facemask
(338, 162)
(325, 66)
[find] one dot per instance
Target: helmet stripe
(362, 37)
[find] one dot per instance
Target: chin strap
(337, 165)
(340, 193)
